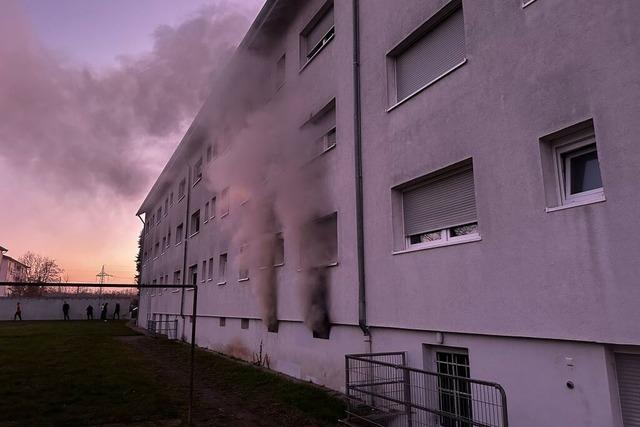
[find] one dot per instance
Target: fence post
(407, 394)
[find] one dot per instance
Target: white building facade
(11, 270)
(450, 179)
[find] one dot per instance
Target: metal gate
(383, 391)
(160, 327)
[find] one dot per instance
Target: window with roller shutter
(317, 34)
(429, 53)
(628, 373)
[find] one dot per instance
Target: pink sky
(94, 97)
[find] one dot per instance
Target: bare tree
(41, 270)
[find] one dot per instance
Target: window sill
(246, 279)
(224, 214)
(527, 3)
(417, 248)
(316, 53)
(190, 289)
(432, 82)
(222, 283)
(175, 291)
(210, 280)
(180, 198)
(212, 218)
(179, 243)
(590, 201)
(194, 234)
(196, 182)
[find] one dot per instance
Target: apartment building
(11, 270)
(450, 179)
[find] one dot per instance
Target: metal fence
(167, 328)
(383, 391)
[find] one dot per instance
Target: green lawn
(76, 373)
(81, 373)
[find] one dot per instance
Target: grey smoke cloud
(93, 132)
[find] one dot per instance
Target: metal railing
(383, 391)
(168, 328)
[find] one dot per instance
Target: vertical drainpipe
(186, 242)
(357, 137)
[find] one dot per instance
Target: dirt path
(216, 402)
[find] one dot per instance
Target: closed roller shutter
(628, 369)
(430, 57)
(442, 203)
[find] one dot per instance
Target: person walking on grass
(116, 312)
(18, 314)
(65, 310)
(103, 313)
(89, 312)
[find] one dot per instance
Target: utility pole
(101, 276)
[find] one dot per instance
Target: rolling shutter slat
(319, 30)
(440, 204)
(433, 55)
(628, 370)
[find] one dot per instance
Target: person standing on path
(116, 312)
(89, 312)
(65, 310)
(18, 314)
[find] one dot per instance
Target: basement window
(317, 34)
(428, 54)
(244, 323)
(454, 393)
(195, 223)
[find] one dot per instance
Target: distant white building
(11, 270)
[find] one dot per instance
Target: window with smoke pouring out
(224, 202)
(243, 270)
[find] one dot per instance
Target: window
(209, 153)
(454, 394)
(206, 212)
(571, 168)
(324, 124)
(166, 206)
(197, 171)
(193, 274)
(428, 54)
(324, 233)
(223, 322)
(195, 223)
(317, 34)
(159, 215)
(224, 202)
(440, 209)
(171, 199)
(210, 275)
(212, 211)
(181, 188)
(244, 323)
(168, 239)
(166, 280)
(222, 268)
(280, 71)
(164, 244)
(243, 271)
(179, 233)
(628, 374)
(177, 277)
(278, 257)
(204, 271)
(156, 250)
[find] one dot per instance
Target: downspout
(186, 242)
(357, 137)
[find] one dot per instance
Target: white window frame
(446, 238)
(563, 155)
